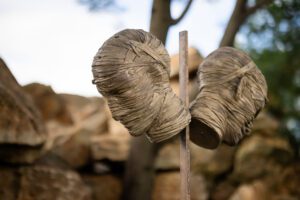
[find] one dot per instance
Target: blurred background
(57, 136)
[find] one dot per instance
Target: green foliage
(273, 40)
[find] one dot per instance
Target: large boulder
(203, 161)
(212, 163)
(22, 131)
(222, 190)
(260, 156)
(288, 182)
(104, 187)
(167, 186)
(194, 60)
(283, 185)
(265, 125)
(256, 190)
(73, 143)
(74, 148)
(84, 107)
(168, 156)
(41, 182)
(114, 147)
(51, 105)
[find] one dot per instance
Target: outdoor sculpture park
(163, 127)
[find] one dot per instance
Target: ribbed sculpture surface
(232, 91)
(132, 71)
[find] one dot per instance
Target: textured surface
(41, 183)
(51, 105)
(232, 91)
(20, 122)
(259, 156)
(105, 187)
(132, 71)
(166, 187)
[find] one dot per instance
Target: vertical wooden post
(184, 135)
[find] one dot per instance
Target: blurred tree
(273, 40)
(97, 5)
(161, 18)
(242, 10)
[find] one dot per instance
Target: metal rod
(184, 135)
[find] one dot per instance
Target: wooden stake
(184, 135)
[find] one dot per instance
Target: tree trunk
(238, 17)
(236, 20)
(140, 172)
(160, 19)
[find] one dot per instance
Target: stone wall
(68, 147)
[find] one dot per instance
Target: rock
(51, 105)
(167, 186)
(95, 135)
(256, 190)
(194, 60)
(265, 124)
(116, 128)
(212, 163)
(192, 87)
(21, 127)
(198, 188)
(41, 182)
(223, 190)
(8, 181)
(168, 156)
(262, 156)
(203, 161)
(82, 108)
(50, 159)
(20, 154)
(49, 183)
(75, 150)
(283, 185)
(289, 181)
(101, 167)
(20, 120)
(73, 143)
(104, 187)
(114, 147)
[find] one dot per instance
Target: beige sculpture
(132, 70)
(232, 91)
